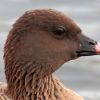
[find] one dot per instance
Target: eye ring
(59, 32)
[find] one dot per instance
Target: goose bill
(88, 47)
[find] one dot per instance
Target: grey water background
(81, 75)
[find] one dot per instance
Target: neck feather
(28, 82)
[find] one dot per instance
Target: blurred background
(81, 75)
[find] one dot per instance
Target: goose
(39, 42)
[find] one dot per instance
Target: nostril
(92, 42)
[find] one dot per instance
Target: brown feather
(32, 54)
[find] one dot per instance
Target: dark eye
(59, 32)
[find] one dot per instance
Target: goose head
(39, 42)
(49, 38)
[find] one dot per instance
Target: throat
(30, 84)
(47, 88)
